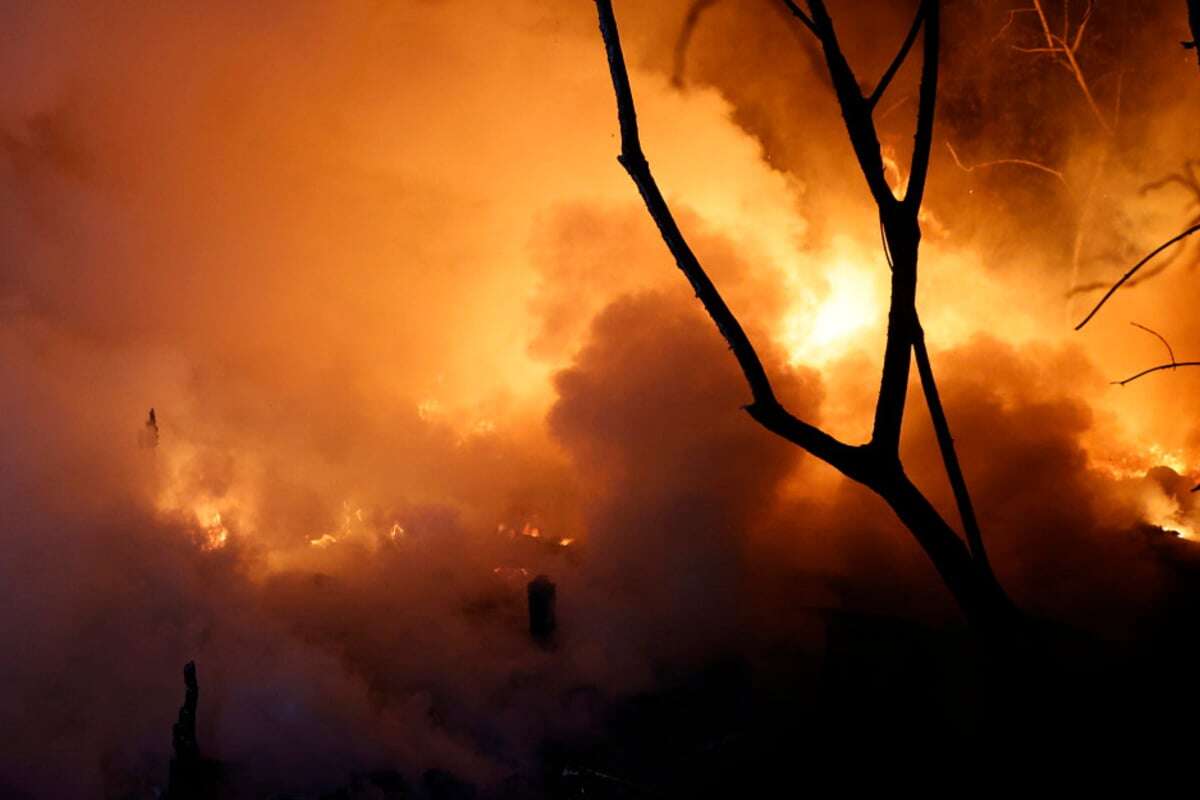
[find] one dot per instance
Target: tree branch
(958, 483)
(765, 408)
(1060, 46)
(875, 465)
(855, 111)
(898, 61)
(800, 15)
(923, 141)
(1159, 336)
(902, 236)
(1159, 368)
(1015, 162)
(982, 599)
(899, 218)
(690, 21)
(1133, 271)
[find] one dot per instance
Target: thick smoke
(411, 340)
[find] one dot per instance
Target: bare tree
(876, 464)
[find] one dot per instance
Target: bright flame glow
(1164, 512)
(215, 532)
(816, 330)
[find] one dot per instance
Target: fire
(529, 530)
(1135, 461)
(357, 523)
(1165, 512)
(326, 540)
(819, 329)
(215, 533)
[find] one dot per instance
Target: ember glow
(412, 341)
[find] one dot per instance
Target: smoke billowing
(412, 340)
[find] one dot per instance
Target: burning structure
(414, 340)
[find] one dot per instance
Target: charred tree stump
(542, 622)
(189, 775)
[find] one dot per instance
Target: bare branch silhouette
(1159, 368)
(1146, 274)
(1065, 48)
(898, 61)
(1170, 354)
(690, 21)
(765, 408)
(1133, 271)
(1194, 22)
(800, 15)
(876, 464)
(1159, 336)
(1188, 179)
(941, 427)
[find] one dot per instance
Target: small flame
(215, 534)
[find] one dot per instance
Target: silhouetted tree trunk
(963, 566)
(1194, 22)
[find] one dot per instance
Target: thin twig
(926, 108)
(1016, 162)
(1060, 46)
(1159, 336)
(1142, 277)
(690, 21)
(1133, 271)
(857, 115)
(898, 61)
(1173, 365)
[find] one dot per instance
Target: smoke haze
(411, 340)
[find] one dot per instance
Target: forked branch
(902, 233)
(1170, 354)
(875, 465)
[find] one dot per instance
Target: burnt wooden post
(541, 609)
(183, 779)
